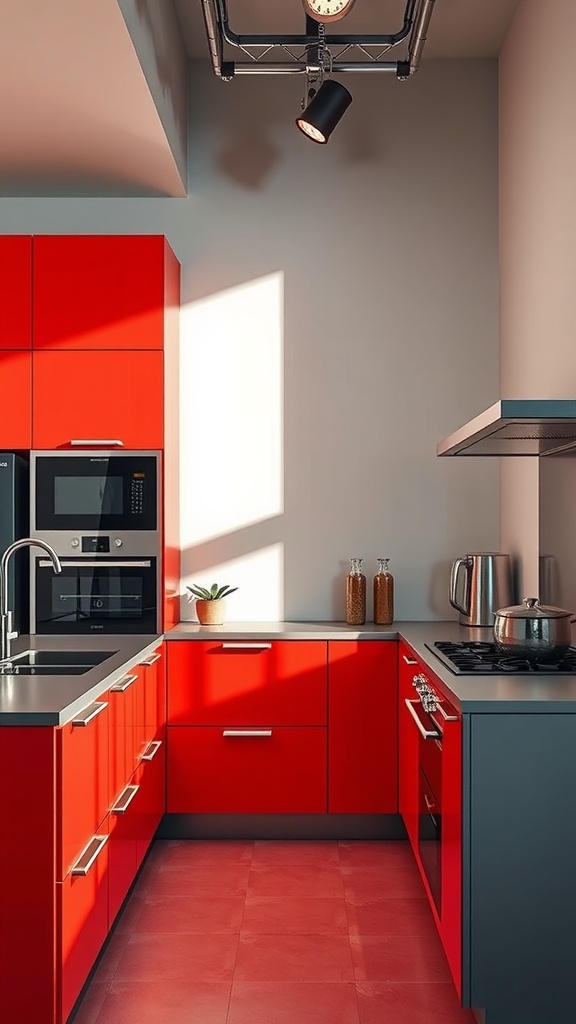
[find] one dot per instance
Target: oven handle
(427, 734)
(95, 562)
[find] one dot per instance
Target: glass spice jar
(383, 594)
(355, 594)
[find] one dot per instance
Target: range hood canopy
(516, 426)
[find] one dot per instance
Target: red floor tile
(270, 915)
(375, 854)
(302, 958)
(381, 1003)
(88, 1010)
(127, 920)
(392, 881)
(304, 852)
(293, 1003)
(399, 958)
(218, 879)
(182, 853)
(203, 915)
(296, 880)
(109, 959)
(181, 957)
(408, 916)
(155, 1002)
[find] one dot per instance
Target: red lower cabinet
(408, 795)
(362, 748)
(82, 919)
(151, 805)
(244, 770)
(122, 847)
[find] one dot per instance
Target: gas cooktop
(472, 658)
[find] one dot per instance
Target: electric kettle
(480, 584)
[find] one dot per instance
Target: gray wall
(340, 315)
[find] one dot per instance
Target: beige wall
(537, 256)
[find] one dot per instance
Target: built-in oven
(106, 595)
(100, 512)
(432, 716)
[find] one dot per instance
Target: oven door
(95, 596)
(105, 491)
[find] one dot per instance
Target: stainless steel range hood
(516, 426)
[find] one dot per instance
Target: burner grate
(479, 657)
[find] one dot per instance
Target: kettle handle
(456, 565)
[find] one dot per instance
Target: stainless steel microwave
(113, 492)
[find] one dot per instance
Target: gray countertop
(55, 699)
(495, 693)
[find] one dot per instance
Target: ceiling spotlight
(324, 110)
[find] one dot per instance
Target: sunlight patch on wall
(259, 576)
(231, 388)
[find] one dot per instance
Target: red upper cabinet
(98, 396)
(16, 407)
(103, 291)
(362, 739)
(15, 291)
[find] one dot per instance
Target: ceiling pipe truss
(310, 53)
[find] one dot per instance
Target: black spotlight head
(324, 111)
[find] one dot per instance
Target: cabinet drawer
(83, 781)
(82, 916)
(279, 771)
(247, 682)
(151, 778)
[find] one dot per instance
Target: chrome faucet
(7, 634)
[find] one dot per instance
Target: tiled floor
(273, 932)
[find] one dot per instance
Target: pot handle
(456, 565)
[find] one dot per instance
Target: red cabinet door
(151, 807)
(152, 669)
(230, 771)
(83, 783)
(247, 683)
(102, 291)
(16, 405)
(408, 668)
(122, 698)
(98, 396)
(122, 863)
(82, 915)
(362, 745)
(15, 291)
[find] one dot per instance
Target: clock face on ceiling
(327, 10)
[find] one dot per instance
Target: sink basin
(53, 663)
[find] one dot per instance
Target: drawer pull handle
(85, 717)
(151, 659)
(247, 732)
(89, 855)
(427, 734)
(409, 661)
(97, 444)
(123, 684)
(124, 800)
(246, 647)
(151, 750)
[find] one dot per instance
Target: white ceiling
(83, 109)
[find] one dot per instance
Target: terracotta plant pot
(211, 613)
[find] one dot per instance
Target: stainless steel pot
(534, 631)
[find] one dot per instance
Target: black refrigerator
(14, 524)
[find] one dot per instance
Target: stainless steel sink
(53, 663)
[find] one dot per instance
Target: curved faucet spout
(7, 634)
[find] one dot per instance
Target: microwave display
(89, 492)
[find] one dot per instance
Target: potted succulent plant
(210, 604)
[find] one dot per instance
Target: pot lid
(532, 609)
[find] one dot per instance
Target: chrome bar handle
(151, 750)
(124, 800)
(409, 661)
(91, 443)
(428, 734)
(150, 659)
(246, 646)
(96, 562)
(247, 732)
(89, 855)
(123, 684)
(85, 717)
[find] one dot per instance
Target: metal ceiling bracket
(417, 15)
